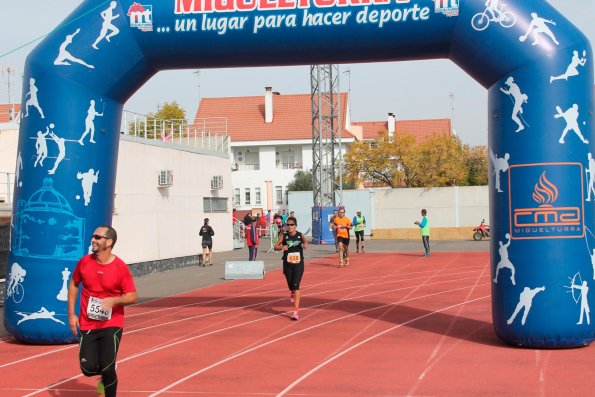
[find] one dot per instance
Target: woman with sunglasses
(293, 244)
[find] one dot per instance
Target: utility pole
(197, 73)
(9, 71)
(452, 112)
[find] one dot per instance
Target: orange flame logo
(545, 192)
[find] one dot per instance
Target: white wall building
(157, 221)
(271, 139)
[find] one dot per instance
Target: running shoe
(100, 388)
(346, 261)
(295, 316)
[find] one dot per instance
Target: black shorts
(293, 274)
(207, 244)
(359, 235)
(344, 240)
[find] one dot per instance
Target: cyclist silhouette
(493, 13)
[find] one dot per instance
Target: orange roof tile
(5, 111)
(420, 129)
(292, 116)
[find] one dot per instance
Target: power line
(54, 30)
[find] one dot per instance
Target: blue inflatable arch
(536, 66)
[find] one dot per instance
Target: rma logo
(544, 204)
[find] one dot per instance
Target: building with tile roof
(271, 139)
(420, 129)
(271, 142)
(10, 113)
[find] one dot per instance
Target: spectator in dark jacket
(252, 238)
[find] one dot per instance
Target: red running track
(394, 324)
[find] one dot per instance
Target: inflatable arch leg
(537, 66)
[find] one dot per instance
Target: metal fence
(209, 134)
(6, 188)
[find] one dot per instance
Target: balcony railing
(290, 166)
(6, 188)
(208, 134)
(247, 167)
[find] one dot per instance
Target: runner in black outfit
(207, 234)
(293, 243)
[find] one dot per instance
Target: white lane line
(308, 329)
(434, 358)
(339, 355)
(168, 323)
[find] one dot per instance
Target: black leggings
(293, 274)
(359, 235)
(426, 241)
(97, 356)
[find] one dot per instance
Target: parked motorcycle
(482, 231)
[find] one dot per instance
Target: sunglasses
(291, 224)
(98, 237)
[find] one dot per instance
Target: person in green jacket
(425, 230)
(359, 223)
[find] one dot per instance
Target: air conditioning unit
(165, 178)
(217, 182)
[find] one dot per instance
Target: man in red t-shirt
(107, 287)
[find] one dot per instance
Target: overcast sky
(411, 90)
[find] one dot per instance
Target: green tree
(443, 159)
(476, 159)
(302, 182)
(383, 161)
(169, 121)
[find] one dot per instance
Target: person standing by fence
(424, 225)
(252, 238)
(207, 234)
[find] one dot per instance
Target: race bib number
(94, 311)
(294, 257)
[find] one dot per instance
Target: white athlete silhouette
(107, 26)
(518, 98)
(504, 261)
(16, 277)
(19, 168)
(525, 301)
(538, 25)
(65, 57)
(584, 289)
(571, 117)
(593, 262)
(87, 181)
(43, 313)
(492, 8)
(90, 123)
(590, 176)
(572, 69)
(41, 146)
(61, 151)
(63, 294)
(32, 101)
(500, 165)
